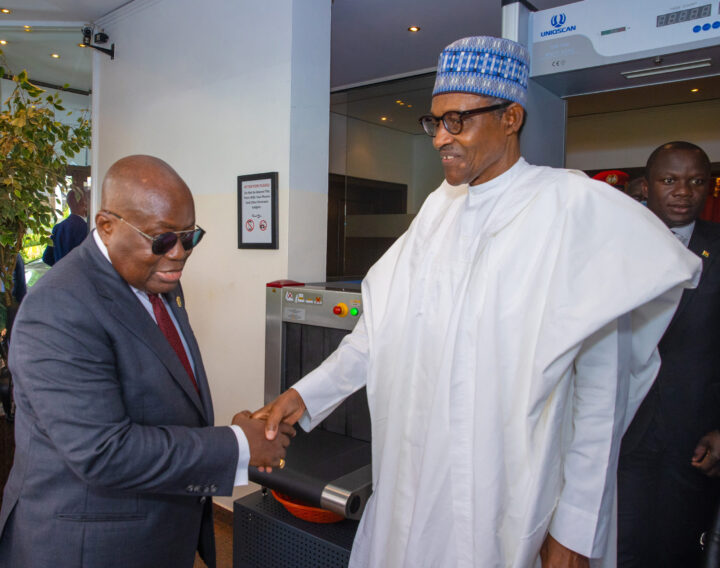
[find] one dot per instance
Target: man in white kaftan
(507, 340)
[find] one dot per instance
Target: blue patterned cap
(484, 65)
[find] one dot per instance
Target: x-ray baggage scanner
(593, 46)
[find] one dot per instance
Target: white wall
(221, 90)
(626, 139)
(361, 149)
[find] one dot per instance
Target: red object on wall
(711, 212)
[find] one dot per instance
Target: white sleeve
(241, 471)
(583, 515)
(340, 375)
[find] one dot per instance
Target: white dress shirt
(684, 233)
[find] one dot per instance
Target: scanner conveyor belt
(323, 469)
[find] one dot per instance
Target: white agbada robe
(507, 339)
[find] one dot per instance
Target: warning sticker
(294, 314)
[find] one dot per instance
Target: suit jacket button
(203, 499)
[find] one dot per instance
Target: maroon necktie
(170, 332)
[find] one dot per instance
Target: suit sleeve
(48, 256)
(64, 364)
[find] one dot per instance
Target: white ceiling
(29, 11)
(370, 41)
(369, 37)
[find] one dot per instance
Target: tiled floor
(223, 541)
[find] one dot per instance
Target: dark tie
(170, 332)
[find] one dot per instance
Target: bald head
(142, 198)
(679, 146)
(677, 182)
(134, 180)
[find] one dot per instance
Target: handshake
(269, 429)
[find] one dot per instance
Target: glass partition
(382, 167)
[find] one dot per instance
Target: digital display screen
(684, 15)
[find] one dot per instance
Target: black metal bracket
(105, 50)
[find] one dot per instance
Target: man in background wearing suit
(670, 455)
(71, 231)
(116, 459)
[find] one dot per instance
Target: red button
(340, 309)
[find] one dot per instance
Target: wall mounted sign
(257, 211)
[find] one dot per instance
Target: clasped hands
(270, 429)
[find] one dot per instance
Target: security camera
(87, 35)
(100, 37)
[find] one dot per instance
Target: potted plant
(34, 151)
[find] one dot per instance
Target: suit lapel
(177, 306)
(130, 313)
(701, 244)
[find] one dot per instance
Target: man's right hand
(706, 456)
(264, 452)
(285, 409)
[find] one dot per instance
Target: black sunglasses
(453, 119)
(164, 242)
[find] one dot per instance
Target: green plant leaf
(34, 152)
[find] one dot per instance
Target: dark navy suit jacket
(115, 461)
(66, 235)
(685, 398)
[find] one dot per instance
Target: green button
(354, 311)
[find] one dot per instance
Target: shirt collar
(503, 179)
(104, 251)
(684, 232)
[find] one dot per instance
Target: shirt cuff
(575, 529)
(319, 398)
(241, 473)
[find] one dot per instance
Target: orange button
(340, 310)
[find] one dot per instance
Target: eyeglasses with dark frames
(453, 120)
(164, 242)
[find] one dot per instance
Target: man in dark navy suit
(670, 456)
(117, 457)
(71, 231)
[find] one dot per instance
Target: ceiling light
(6, 11)
(694, 90)
(27, 28)
(3, 42)
(409, 106)
(55, 56)
(81, 45)
(383, 118)
(414, 29)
